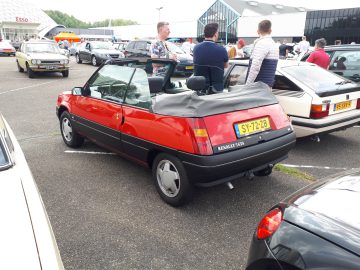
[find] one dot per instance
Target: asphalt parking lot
(105, 211)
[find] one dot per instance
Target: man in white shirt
(188, 46)
(304, 45)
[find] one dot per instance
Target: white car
(6, 48)
(26, 237)
(316, 100)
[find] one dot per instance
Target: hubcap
(94, 61)
(168, 178)
(77, 58)
(67, 129)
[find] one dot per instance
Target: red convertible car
(186, 138)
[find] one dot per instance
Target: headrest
(156, 84)
(196, 83)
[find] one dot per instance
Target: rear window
(346, 191)
(316, 78)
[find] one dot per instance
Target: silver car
(26, 237)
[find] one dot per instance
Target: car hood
(103, 51)
(17, 237)
(47, 56)
(329, 208)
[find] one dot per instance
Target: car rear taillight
(319, 111)
(199, 137)
(358, 104)
(269, 224)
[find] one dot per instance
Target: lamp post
(159, 8)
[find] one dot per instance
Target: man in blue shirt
(210, 59)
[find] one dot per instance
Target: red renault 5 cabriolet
(188, 139)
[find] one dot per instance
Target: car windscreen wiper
(343, 82)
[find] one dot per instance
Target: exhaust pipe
(315, 138)
(230, 186)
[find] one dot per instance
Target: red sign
(19, 19)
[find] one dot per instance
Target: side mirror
(196, 83)
(77, 91)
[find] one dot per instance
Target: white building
(20, 20)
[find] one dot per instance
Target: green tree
(71, 22)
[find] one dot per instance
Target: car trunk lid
(243, 128)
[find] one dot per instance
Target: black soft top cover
(189, 104)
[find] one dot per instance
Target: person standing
(239, 48)
(159, 48)
(210, 59)
(319, 56)
(188, 46)
(304, 45)
(264, 58)
(283, 50)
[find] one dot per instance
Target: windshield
(317, 78)
(42, 48)
(173, 48)
(102, 45)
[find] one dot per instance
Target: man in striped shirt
(264, 57)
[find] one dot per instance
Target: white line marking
(316, 167)
(89, 152)
(26, 87)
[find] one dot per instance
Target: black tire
(70, 136)
(20, 69)
(264, 172)
(94, 61)
(29, 71)
(65, 73)
(78, 60)
(177, 192)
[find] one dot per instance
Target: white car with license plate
(316, 100)
(26, 237)
(41, 56)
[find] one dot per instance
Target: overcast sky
(145, 12)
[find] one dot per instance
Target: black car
(96, 52)
(140, 50)
(344, 60)
(317, 227)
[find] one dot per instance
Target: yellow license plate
(189, 67)
(251, 127)
(343, 105)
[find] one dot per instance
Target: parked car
(140, 50)
(120, 46)
(315, 228)
(96, 52)
(344, 60)
(41, 56)
(27, 239)
(6, 48)
(186, 138)
(317, 101)
(74, 47)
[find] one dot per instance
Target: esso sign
(19, 19)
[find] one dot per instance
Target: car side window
(283, 83)
(140, 46)
(110, 83)
(237, 76)
(345, 60)
(138, 94)
(130, 45)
